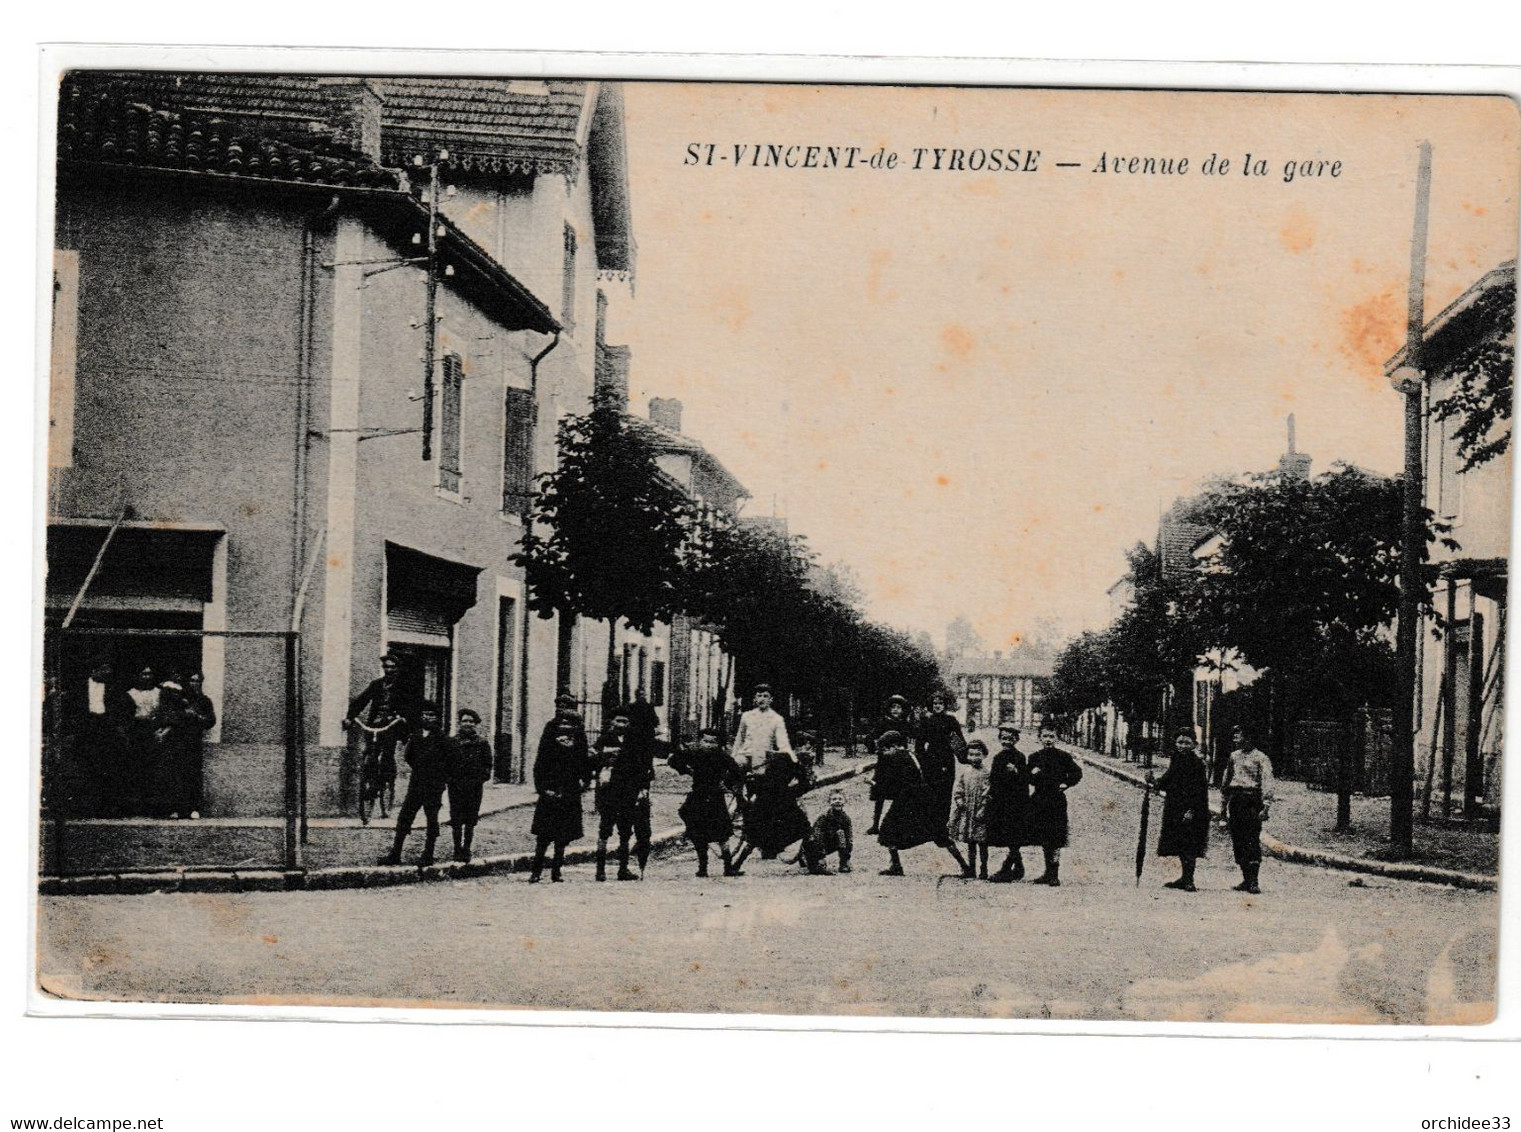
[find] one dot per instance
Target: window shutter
(448, 455)
(517, 452)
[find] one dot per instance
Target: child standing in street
(969, 809)
(469, 769)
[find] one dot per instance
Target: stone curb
(1324, 858)
(345, 876)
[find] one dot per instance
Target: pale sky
(979, 388)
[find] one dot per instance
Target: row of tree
(612, 538)
(1302, 585)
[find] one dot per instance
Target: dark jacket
(469, 760)
(1052, 772)
(1008, 799)
(706, 809)
(428, 756)
(628, 766)
(914, 816)
(940, 746)
(904, 727)
(773, 818)
(559, 775)
(379, 701)
(1186, 790)
(562, 717)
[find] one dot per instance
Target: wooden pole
(1412, 544)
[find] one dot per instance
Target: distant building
(1460, 721)
(1001, 688)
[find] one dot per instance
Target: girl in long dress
(1185, 809)
(969, 808)
(914, 815)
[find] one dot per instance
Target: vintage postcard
(906, 551)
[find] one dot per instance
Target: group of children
(458, 764)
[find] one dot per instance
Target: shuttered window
(449, 424)
(568, 283)
(517, 452)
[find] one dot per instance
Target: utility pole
(430, 309)
(1409, 381)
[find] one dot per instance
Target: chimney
(612, 376)
(354, 106)
(1293, 463)
(666, 412)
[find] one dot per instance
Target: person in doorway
(1248, 789)
(469, 769)
(626, 768)
(428, 756)
(1052, 773)
(969, 809)
(705, 812)
(896, 719)
(1185, 809)
(560, 775)
(914, 816)
(1008, 804)
(831, 834)
(147, 738)
(194, 716)
(96, 725)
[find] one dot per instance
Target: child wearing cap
(469, 756)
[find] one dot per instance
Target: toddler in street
(969, 809)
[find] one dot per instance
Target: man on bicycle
(383, 711)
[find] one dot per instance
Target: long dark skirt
(772, 824)
(1183, 837)
(559, 818)
(465, 802)
(706, 816)
(913, 818)
(1046, 823)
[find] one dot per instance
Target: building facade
(241, 282)
(1001, 688)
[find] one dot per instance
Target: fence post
(1343, 737)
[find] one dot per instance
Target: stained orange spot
(1476, 209)
(943, 481)
(1373, 329)
(823, 464)
(1098, 507)
(271, 939)
(1298, 232)
(958, 340)
(875, 267)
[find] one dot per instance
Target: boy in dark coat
(1185, 810)
(428, 756)
(1052, 773)
(627, 757)
(914, 815)
(565, 715)
(705, 813)
(1008, 804)
(469, 768)
(897, 720)
(560, 774)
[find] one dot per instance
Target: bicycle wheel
(368, 790)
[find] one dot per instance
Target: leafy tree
(1484, 371)
(961, 639)
(610, 536)
(1078, 680)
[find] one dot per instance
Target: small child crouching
(831, 833)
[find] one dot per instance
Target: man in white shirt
(761, 732)
(1248, 790)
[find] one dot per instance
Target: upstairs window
(517, 452)
(449, 424)
(568, 283)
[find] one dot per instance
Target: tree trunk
(610, 681)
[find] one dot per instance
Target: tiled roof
(1019, 662)
(494, 125)
(664, 440)
(104, 122)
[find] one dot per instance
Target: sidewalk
(1301, 829)
(134, 855)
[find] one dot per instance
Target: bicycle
(377, 769)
